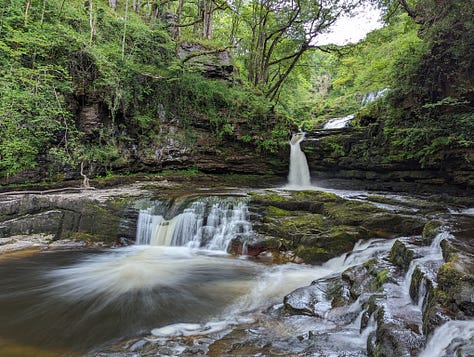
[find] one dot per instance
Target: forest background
(57, 57)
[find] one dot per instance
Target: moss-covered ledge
(317, 225)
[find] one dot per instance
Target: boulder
(213, 62)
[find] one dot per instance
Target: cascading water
(338, 123)
(209, 223)
(343, 122)
(299, 176)
(193, 300)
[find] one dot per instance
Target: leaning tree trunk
(27, 10)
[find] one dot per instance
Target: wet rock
(313, 300)
(401, 255)
(456, 280)
(391, 225)
(253, 247)
(48, 222)
(103, 216)
(393, 336)
(430, 230)
(318, 226)
(359, 280)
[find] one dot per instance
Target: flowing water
(299, 176)
(179, 281)
(209, 223)
(338, 123)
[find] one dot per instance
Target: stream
(178, 284)
(178, 291)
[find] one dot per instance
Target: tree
(280, 32)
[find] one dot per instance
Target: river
(178, 284)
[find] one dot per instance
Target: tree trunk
(199, 16)
(124, 30)
(42, 12)
(113, 4)
(91, 20)
(179, 15)
(27, 9)
(207, 19)
(85, 181)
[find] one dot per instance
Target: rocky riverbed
(377, 273)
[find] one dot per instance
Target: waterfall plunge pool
(68, 303)
(82, 302)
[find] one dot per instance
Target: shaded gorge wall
(365, 154)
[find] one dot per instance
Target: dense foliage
(431, 109)
(119, 59)
(58, 57)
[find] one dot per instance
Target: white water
(338, 123)
(457, 335)
(431, 255)
(343, 122)
(274, 282)
(206, 223)
(373, 96)
(299, 176)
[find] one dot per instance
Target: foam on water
(299, 176)
(453, 334)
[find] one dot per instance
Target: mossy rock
(99, 222)
(455, 289)
(430, 230)
(389, 225)
(401, 255)
(275, 212)
(266, 197)
(312, 255)
(316, 196)
(349, 212)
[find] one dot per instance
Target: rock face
(213, 63)
(318, 226)
(362, 154)
(89, 216)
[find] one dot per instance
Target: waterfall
(343, 122)
(338, 123)
(298, 176)
(450, 338)
(209, 223)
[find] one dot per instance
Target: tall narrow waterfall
(209, 223)
(298, 176)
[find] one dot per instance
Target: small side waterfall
(299, 176)
(338, 123)
(209, 223)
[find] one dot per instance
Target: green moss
(316, 196)
(268, 196)
(304, 224)
(350, 212)
(312, 254)
(400, 255)
(381, 278)
(84, 237)
(275, 212)
(430, 230)
(369, 264)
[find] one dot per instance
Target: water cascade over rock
(338, 123)
(209, 223)
(343, 122)
(299, 176)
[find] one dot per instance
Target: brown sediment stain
(13, 349)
